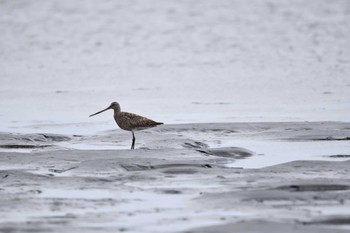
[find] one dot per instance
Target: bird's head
(114, 105)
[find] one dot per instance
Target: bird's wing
(134, 121)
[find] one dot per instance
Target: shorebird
(129, 121)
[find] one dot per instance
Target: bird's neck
(116, 112)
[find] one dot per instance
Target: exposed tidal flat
(279, 66)
(180, 178)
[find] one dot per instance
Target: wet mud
(181, 178)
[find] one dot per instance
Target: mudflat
(181, 178)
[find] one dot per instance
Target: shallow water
(173, 61)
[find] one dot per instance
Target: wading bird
(129, 121)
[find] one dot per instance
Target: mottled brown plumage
(129, 121)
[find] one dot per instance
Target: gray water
(172, 61)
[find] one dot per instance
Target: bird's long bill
(99, 112)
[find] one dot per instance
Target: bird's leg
(133, 141)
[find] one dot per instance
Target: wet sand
(176, 62)
(179, 179)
